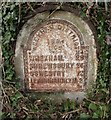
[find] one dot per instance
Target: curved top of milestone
(56, 53)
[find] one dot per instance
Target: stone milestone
(57, 54)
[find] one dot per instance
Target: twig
(3, 91)
(95, 102)
(73, 111)
(6, 81)
(109, 101)
(64, 115)
(19, 12)
(55, 10)
(30, 7)
(106, 5)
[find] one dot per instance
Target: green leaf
(9, 77)
(84, 116)
(1, 113)
(65, 107)
(72, 105)
(92, 106)
(95, 115)
(18, 95)
(7, 37)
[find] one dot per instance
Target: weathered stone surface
(56, 54)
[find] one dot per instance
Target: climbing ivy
(17, 104)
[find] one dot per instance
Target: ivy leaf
(72, 105)
(95, 115)
(15, 98)
(66, 107)
(9, 77)
(92, 106)
(7, 35)
(84, 116)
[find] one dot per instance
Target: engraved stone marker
(55, 58)
(57, 54)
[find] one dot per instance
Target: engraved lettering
(56, 58)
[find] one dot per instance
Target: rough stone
(56, 53)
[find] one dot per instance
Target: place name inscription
(56, 59)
